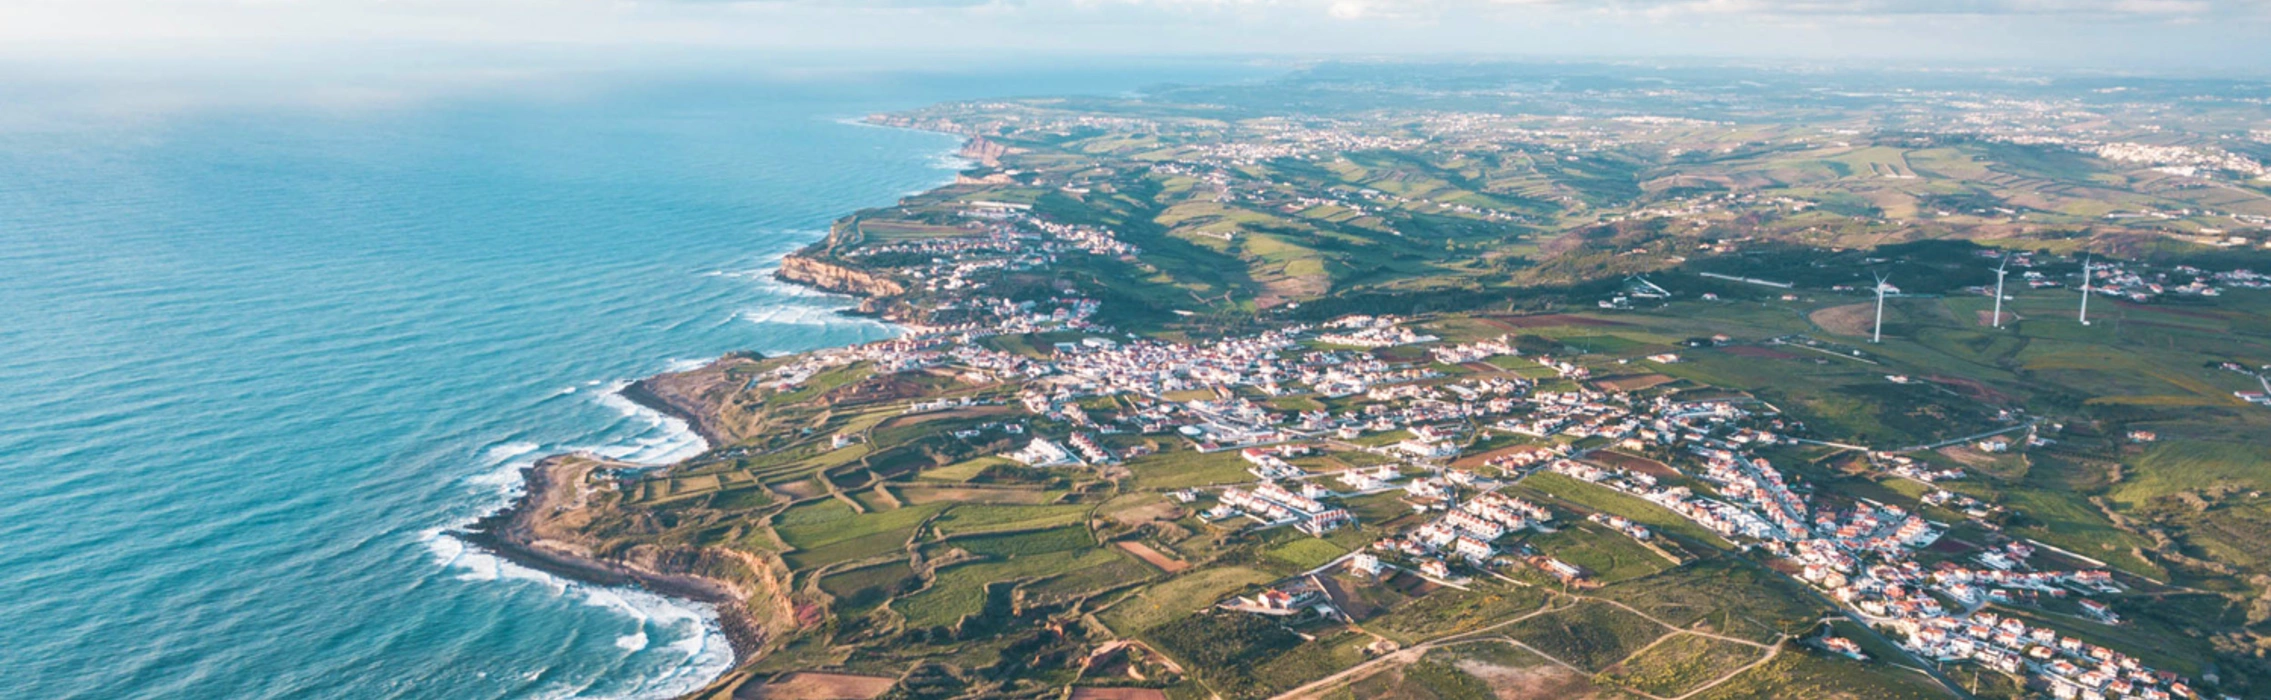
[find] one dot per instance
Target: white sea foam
(692, 650)
(950, 161)
(791, 315)
(502, 481)
(652, 437)
(695, 652)
(636, 641)
(774, 287)
(474, 564)
(505, 451)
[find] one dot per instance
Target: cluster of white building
(1372, 332)
(1468, 531)
(1274, 504)
(1472, 352)
(2072, 668)
(1913, 469)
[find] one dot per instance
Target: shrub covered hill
(1503, 381)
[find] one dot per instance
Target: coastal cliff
(571, 520)
(836, 278)
(984, 152)
(698, 396)
(544, 530)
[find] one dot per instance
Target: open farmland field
(1805, 674)
(1724, 596)
(1681, 664)
(1589, 635)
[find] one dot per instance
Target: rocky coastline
(830, 277)
(518, 534)
(528, 532)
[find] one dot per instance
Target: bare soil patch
(1476, 461)
(1850, 319)
(1987, 317)
(1635, 463)
(1972, 389)
(1086, 693)
(818, 686)
(1634, 382)
(799, 489)
(1533, 683)
(1153, 557)
(1354, 605)
(1147, 513)
(1969, 456)
(1406, 583)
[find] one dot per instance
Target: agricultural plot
(1596, 498)
(1724, 596)
(1589, 634)
(1305, 553)
(1025, 543)
(1185, 468)
(1246, 656)
(961, 590)
(962, 471)
(866, 586)
(1179, 596)
(1804, 674)
(1481, 670)
(1610, 556)
(968, 519)
(1681, 664)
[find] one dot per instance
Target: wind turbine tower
(1879, 335)
(2000, 270)
(2085, 291)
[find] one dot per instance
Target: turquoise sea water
(256, 360)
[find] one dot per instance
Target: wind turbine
(2000, 270)
(2085, 290)
(1879, 335)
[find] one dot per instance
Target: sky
(2140, 35)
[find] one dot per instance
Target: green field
(989, 518)
(1451, 611)
(1184, 468)
(960, 590)
(1602, 499)
(1727, 596)
(1179, 596)
(1611, 556)
(1681, 663)
(1589, 634)
(1803, 674)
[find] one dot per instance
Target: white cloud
(2196, 31)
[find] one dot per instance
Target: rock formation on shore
(836, 278)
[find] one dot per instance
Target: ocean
(260, 355)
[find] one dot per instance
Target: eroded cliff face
(985, 152)
(837, 278)
(702, 397)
